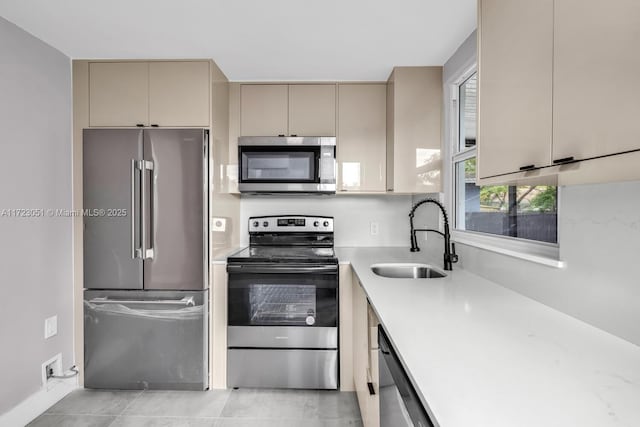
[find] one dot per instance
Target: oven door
(283, 295)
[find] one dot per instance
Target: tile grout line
(225, 402)
(125, 408)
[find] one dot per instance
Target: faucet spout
(450, 256)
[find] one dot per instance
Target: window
(523, 212)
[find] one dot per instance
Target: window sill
(540, 253)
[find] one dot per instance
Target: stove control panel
(291, 224)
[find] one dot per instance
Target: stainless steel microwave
(282, 164)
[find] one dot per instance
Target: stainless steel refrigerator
(145, 194)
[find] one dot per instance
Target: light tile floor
(217, 408)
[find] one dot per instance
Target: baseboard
(34, 405)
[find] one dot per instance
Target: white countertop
(483, 355)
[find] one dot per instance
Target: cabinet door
(264, 110)
(515, 85)
(596, 85)
(312, 110)
(360, 349)
(417, 124)
(118, 93)
(179, 94)
(362, 137)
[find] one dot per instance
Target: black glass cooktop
(280, 254)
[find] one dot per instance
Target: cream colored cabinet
(264, 110)
(312, 110)
(280, 109)
(118, 93)
(596, 89)
(175, 93)
(365, 357)
(362, 137)
(414, 122)
(345, 334)
(558, 82)
(515, 39)
(179, 93)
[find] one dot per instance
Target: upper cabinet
(312, 110)
(179, 93)
(557, 85)
(172, 93)
(280, 109)
(515, 42)
(362, 137)
(596, 89)
(118, 93)
(414, 122)
(264, 110)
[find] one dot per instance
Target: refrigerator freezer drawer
(146, 340)
(312, 369)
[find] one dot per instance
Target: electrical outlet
(374, 229)
(50, 326)
(218, 224)
(52, 367)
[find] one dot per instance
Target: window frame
(539, 252)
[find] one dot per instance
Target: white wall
(599, 239)
(353, 215)
(35, 172)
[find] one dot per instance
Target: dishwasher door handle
(186, 301)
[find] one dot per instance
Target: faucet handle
(452, 256)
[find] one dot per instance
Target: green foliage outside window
(540, 198)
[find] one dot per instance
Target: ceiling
(256, 40)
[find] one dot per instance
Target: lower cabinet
(365, 357)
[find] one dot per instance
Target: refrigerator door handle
(136, 252)
(186, 301)
(152, 211)
(147, 252)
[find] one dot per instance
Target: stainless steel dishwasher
(400, 405)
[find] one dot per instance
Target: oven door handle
(286, 269)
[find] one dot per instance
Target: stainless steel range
(283, 305)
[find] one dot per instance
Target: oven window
(282, 304)
(268, 165)
(283, 300)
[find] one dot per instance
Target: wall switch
(50, 326)
(374, 228)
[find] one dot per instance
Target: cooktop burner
(288, 238)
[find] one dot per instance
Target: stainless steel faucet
(449, 248)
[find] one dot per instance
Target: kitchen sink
(407, 271)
